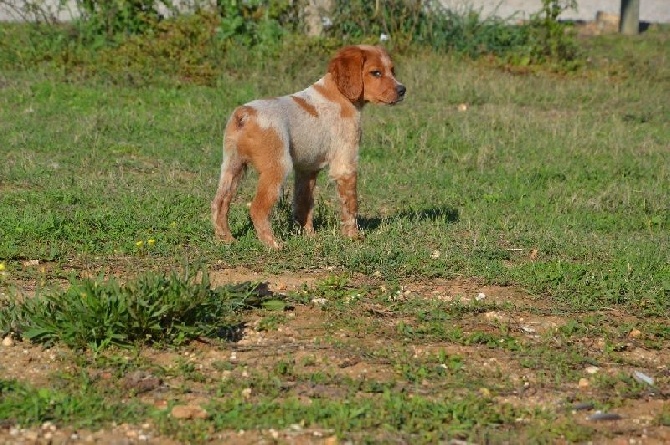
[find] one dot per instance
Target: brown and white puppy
(306, 131)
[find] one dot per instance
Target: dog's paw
(225, 237)
(352, 233)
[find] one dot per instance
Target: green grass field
(548, 193)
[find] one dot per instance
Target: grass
(557, 185)
(574, 168)
(153, 310)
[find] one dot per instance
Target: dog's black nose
(400, 89)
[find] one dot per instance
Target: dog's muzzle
(400, 91)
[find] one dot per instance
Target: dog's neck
(327, 87)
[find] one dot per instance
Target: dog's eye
(376, 73)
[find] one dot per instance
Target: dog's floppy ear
(347, 71)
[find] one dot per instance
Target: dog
(305, 132)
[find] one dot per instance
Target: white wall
(654, 11)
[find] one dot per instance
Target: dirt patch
(282, 282)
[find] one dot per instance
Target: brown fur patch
(309, 108)
(331, 92)
(242, 114)
(346, 70)
(250, 140)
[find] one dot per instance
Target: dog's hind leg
(232, 170)
(303, 200)
(269, 187)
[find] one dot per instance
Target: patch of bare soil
(308, 338)
(277, 283)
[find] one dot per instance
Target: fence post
(629, 24)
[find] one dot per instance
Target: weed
(153, 309)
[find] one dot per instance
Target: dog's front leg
(346, 189)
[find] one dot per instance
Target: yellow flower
(139, 243)
(151, 242)
(2, 267)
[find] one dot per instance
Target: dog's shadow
(445, 214)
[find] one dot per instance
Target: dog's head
(365, 74)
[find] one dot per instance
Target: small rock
(274, 433)
(141, 382)
(642, 377)
(246, 393)
(30, 436)
(462, 107)
(8, 341)
(332, 440)
(604, 416)
(634, 333)
(583, 383)
(480, 296)
(435, 255)
(319, 301)
(583, 406)
(160, 404)
(188, 412)
(591, 369)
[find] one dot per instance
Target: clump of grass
(153, 309)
